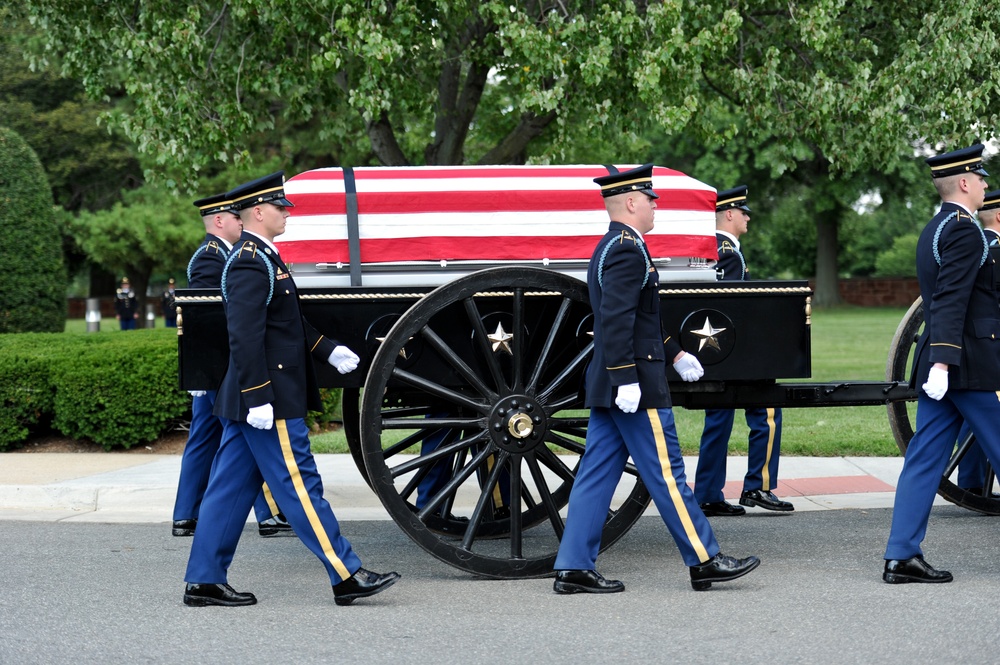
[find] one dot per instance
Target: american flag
(482, 213)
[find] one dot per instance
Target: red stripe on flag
(505, 248)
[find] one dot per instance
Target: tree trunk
(827, 293)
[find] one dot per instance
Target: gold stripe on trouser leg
(497, 496)
(675, 494)
(766, 471)
(269, 498)
(300, 491)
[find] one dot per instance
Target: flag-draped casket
(409, 225)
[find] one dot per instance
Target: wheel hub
(517, 424)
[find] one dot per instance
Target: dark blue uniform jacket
(961, 311)
(629, 344)
(269, 342)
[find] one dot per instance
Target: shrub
(26, 391)
(900, 260)
(33, 288)
(121, 390)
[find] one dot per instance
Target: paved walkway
(109, 487)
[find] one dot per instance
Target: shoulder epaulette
(944, 222)
(249, 247)
(210, 245)
(625, 235)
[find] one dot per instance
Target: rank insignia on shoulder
(250, 247)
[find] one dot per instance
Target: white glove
(937, 383)
(197, 393)
(689, 368)
(261, 417)
(344, 359)
(628, 397)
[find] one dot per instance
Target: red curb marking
(814, 486)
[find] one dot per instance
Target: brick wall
(878, 292)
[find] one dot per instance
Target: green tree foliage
(440, 82)
(33, 288)
(87, 166)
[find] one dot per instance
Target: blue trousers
(927, 457)
(200, 449)
(650, 437)
(972, 467)
(126, 323)
(764, 450)
(246, 458)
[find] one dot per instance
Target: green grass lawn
(848, 344)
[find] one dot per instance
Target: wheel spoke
(567, 372)
(517, 340)
(438, 390)
(484, 497)
(959, 453)
(425, 424)
(556, 465)
(550, 340)
(431, 457)
(543, 490)
(452, 485)
(569, 444)
(516, 545)
(484, 344)
(457, 363)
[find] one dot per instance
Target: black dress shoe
(362, 584)
(584, 581)
(203, 595)
(722, 508)
(720, 568)
(914, 569)
(766, 500)
(184, 527)
(275, 526)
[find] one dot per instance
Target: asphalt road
(111, 593)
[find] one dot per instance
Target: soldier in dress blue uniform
(732, 214)
(263, 399)
(126, 306)
(222, 228)
(972, 467)
(168, 305)
(630, 408)
(956, 360)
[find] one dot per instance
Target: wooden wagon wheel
(901, 419)
(481, 382)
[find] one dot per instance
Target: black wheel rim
(491, 371)
(901, 419)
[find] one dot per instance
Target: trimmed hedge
(116, 390)
(33, 288)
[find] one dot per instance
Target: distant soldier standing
(168, 305)
(126, 306)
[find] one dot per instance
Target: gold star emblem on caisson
(501, 339)
(707, 335)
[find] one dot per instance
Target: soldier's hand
(689, 368)
(628, 397)
(261, 417)
(937, 383)
(344, 359)
(197, 393)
